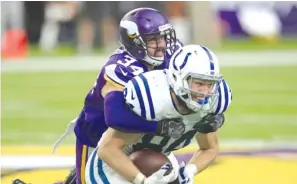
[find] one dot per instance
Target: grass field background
(252, 44)
(36, 107)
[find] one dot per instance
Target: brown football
(148, 161)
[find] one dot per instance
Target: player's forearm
(203, 158)
(118, 117)
(110, 150)
(119, 162)
(209, 149)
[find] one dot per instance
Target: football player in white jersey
(190, 97)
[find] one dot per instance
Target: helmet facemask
(151, 43)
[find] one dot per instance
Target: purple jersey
(118, 70)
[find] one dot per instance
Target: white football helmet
(195, 63)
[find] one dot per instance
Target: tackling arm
(121, 118)
(118, 116)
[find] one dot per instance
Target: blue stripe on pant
(100, 171)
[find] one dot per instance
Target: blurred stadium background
(52, 52)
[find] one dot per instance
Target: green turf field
(226, 45)
(36, 107)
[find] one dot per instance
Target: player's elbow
(215, 149)
(105, 149)
(102, 151)
(109, 146)
(212, 151)
(209, 143)
(215, 152)
(214, 144)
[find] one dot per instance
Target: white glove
(186, 173)
(159, 178)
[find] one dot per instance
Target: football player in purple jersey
(147, 41)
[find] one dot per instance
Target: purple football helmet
(143, 25)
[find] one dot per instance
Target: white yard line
(276, 142)
(9, 161)
(36, 161)
(82, 63)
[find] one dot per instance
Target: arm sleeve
(119, 117)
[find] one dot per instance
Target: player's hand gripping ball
(148, 162)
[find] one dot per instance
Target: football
(148, 161)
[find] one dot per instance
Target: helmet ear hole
(188, 78)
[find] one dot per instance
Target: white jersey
(149, 96)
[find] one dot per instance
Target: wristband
(139, 179)
(192, 168)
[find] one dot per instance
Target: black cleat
(18, 181)
(71, 178)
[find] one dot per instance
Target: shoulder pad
(124, 68)
(138, 97)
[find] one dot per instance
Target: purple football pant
(82, 154)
